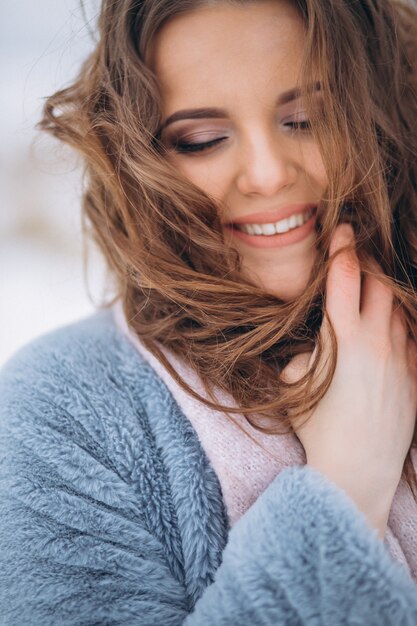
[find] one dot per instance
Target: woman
(231, 442)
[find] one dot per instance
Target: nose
(266, 165)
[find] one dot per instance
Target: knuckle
(380, 348)
(349, 267)
(384, 350)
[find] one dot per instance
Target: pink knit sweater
(246, 461)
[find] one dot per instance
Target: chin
(286, 293)
(286, 289)
(286, 279)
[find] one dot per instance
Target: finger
(399, 330)
(301, 363)
(412, 355)
(343, 282)
(376, 302)
(296, 368)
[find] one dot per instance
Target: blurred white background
(42, 283)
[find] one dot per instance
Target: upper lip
(273, 215)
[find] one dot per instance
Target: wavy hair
(180, 285)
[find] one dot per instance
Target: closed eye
(303, 125)
(182, 146)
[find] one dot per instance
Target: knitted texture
(111, 513)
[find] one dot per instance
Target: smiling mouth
(276, 228)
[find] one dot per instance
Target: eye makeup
(182, 146)
(194, 140)
(193, 136)
(200, 142)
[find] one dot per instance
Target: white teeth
(283, 226)
(268, 229)
(292, 221)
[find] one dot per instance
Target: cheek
(210, 176)
(314, 166)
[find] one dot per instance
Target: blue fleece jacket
(111, 514)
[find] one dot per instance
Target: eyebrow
(215, 113)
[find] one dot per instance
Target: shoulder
(80, 404)
(90, 358)
(86, 504)
(81, 386)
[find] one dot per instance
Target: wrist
(372, 500)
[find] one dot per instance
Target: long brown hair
(180, 285)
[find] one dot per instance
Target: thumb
(301, 363)
(297, 367)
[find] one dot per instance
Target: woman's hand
(360, 432)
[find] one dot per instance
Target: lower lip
(276, 241)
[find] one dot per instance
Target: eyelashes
(184, 147)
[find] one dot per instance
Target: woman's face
(235, 128)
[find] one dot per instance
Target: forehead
(218, 49)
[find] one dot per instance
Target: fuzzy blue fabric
(111, 514)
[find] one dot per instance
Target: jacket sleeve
(75, 549)
(304, 555)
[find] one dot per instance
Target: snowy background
(42, 283)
